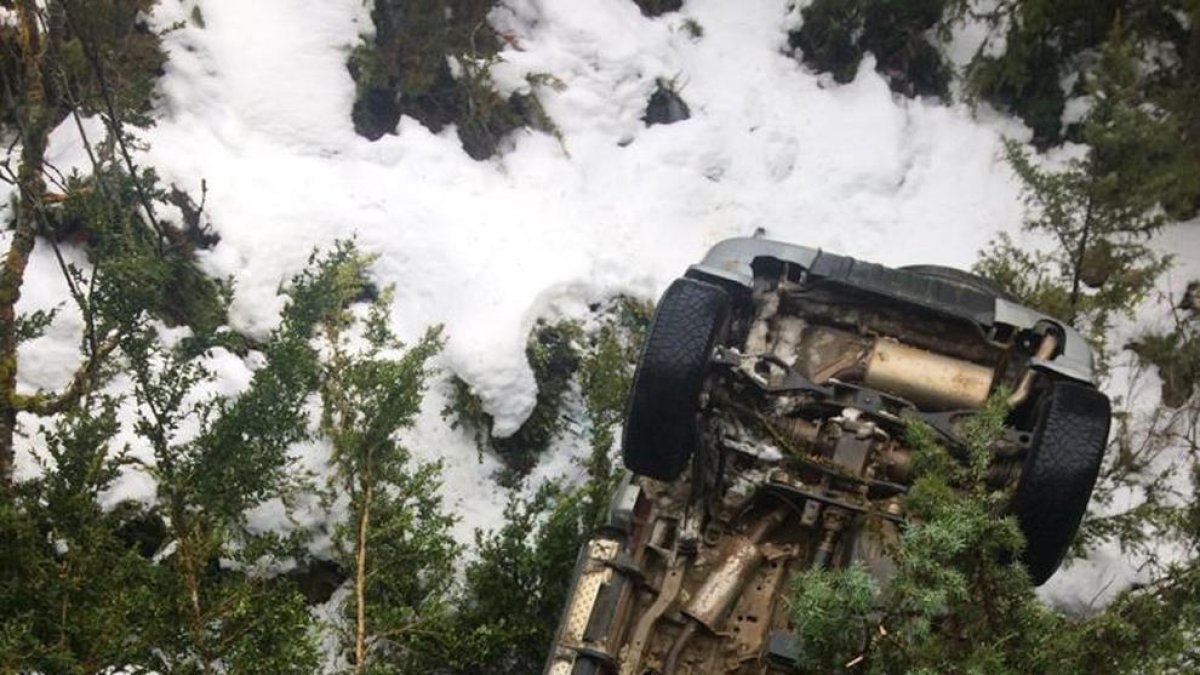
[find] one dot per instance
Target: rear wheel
(661, 427)
(1059, 473)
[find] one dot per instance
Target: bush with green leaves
(1048, 43)
(91, 57)
(405, 69)
(1036, 56)
(552, 352)
(957, 601)
(396, 543)
(176, 585)
(598, 356)
(517, 585)
(107, 60)
(71, 586)
(835, 34)
(1100, 211)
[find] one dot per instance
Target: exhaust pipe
(722, 588)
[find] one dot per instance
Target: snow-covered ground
(257, 104)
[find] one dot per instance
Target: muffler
(931, 381)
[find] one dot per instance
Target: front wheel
(660, 430)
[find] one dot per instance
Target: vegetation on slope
(430, 60)
(183, 584)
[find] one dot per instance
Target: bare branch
(81, 384)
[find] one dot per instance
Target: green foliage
(1176, 356)
(830, 612)
(1045, 43)
(238, 460)
(517, 585)
(405, 70)
(106, 61)
(553, 356)
(1100, 213)
(1153, 450)
(73, 591)
(465, 411)
(33, 325)
(1099, 210)
(606, 376)
(137, 270)
(836, 33)
(1150, 627)
(266, 631)
(1135, 145)
(1026, 80)
(1049, 42)
(961, 600)
(182, 585)
(957, 601)
(236, 620)
(397, 541)
(600, 354)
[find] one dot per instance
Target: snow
(257, 104)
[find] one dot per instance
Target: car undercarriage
(766, 436)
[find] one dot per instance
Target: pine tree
(1099, 211)
(396, 543)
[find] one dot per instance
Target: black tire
(1059, 473)
(960, 278)
(660, 429)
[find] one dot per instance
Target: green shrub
(173, 585)
(405, 70)
(1101, 209)
(836, 33)
(600, 357)
(957, 601)
(396, 544)
(515, 589)
(105, 60)
(517, 585)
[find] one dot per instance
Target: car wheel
(1059, 473)
(661, 427)
(960, 278)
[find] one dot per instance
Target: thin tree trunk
(190, 564)
(1191, 86)
(360, 580)
(1077, 273)
(33, 119)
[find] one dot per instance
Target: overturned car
(766, 430)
